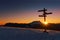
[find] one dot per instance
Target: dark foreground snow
(7, 33)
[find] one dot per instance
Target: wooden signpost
(44, 15)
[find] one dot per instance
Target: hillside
(11, 33)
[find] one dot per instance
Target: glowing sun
(45, 23)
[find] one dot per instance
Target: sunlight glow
(45, 23)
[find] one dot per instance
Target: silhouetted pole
(44, 15)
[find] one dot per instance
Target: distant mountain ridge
(29, 25)
(34, 24)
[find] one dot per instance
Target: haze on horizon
(25, 11)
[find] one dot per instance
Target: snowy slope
(7, 33)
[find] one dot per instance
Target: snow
(11, 33)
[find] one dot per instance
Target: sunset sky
(25, 11)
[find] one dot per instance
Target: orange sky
(31, 16)
(25, 11)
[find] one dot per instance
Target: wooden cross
(44, 14)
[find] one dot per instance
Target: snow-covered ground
(10, 33)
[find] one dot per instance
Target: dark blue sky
(7, 5)
(19, 8)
